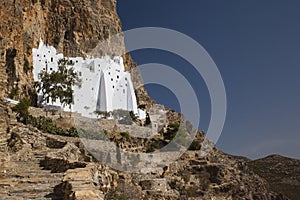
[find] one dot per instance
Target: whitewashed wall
(105, 85)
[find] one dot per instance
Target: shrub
(22, 110)
(125, 135)
(133, 116)
(46, 124)
(195, 146)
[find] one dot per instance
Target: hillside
(283, 174)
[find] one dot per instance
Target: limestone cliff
(74, 27)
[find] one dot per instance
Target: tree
(58, 84)
(22, 110)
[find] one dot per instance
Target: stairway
(27, 179)
(21, 173)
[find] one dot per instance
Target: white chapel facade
(105, 85)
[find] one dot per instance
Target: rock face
(73, 27)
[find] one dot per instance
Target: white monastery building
(105, 85)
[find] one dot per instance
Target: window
(118, 77)
(51, 69)
(108, 73)
(51, 59)
(123, 91)
(44, 56)
(113, 86)
(125, 78)
(38, 55)
(111, 79)
(80, 74)
(92, 88)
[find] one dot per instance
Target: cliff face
(74, 27)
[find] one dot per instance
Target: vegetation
(196, 145)
(45, 124)
(13, 92)
(22, 110)
(103, 114)
(125, 135)
(152, 147)
(178, 134)
(133, 116)
(58, 84)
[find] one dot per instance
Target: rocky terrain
(282, 173)
(38, 165)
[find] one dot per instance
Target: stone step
(41, 174)
(31, 196)
(31, 188)
(44, 180)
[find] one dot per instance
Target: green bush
(171, 131)
(125, 135)
(22, 110)
(195, 146)
(46, 124)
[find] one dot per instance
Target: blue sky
(256, 46)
